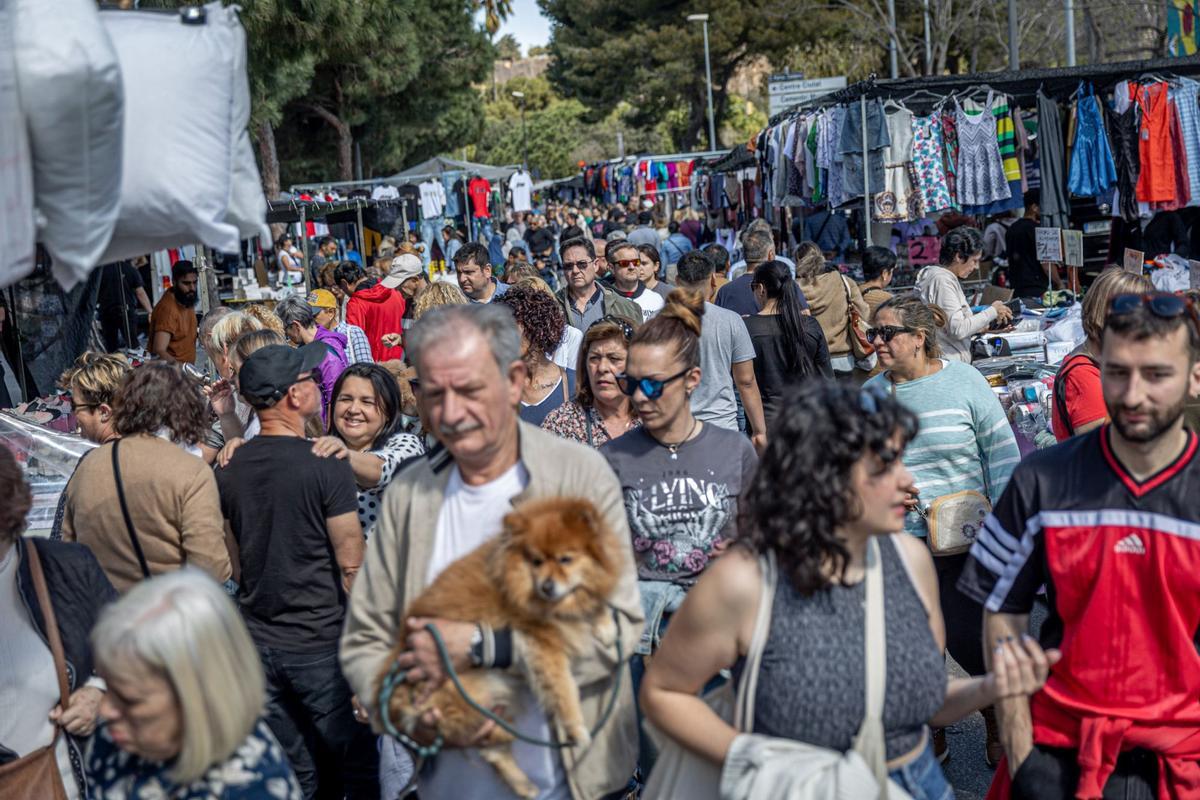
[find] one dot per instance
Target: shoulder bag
(954, 520)
(859, 346)
(133, 537)
(680, 773)
(36, 775)
(765, 768)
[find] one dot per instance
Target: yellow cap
(322, 298)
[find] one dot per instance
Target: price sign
(1049, 244)
(1134, 261)
(1193, 274)
(1073, 248)
(924, 250)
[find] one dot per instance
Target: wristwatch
(477, 647)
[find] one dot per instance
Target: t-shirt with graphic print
(680, 507)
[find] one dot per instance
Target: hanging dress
(1056, 203)
(1185, 97)
(981, 178)
(898, 201)
(1092, 171)
(950, 153)
(1156, 183)
(1123, 136)
(928, 164)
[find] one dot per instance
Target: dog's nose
(547, 588)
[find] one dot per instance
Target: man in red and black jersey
(1109, 522)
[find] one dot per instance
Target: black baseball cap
(268, 372)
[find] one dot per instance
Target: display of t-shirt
(724, 341)
(521, 187)
(385, 193)
(276, 496)
(479, 189)
(680, 506)
(469, 516)
(433, 199)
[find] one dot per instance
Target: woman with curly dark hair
(542, 323)
(838, 450)
(145, 503)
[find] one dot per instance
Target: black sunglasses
(571, 266)
(609, 319)
(651, 387)
(887, 332)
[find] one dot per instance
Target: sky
(527, 24)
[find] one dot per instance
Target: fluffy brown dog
(547, 575)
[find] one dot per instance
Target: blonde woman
(231, 412)
(182, 715)
(439, 293)
(1078, 400)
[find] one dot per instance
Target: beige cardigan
(397, 562)
(173, 500)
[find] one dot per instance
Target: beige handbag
(679, 773)
(954, 520)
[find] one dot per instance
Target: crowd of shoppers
(239, 555)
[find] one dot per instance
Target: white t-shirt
(568, 349)
(650, 302)
(520, 185)
(471, 515)
(433, 199)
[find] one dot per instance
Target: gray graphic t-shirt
(680, 508)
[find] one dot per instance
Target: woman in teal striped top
(964, 443)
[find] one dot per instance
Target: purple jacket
(331, 368)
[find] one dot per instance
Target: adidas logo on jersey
(1131, 544)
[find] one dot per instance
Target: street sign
(786, 89)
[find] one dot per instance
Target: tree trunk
(269, 159)
(345, 137)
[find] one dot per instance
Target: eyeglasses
(609, 319)
(651, 387)
(629, 262)
(77, 407)
(571, 266)
(887, 332)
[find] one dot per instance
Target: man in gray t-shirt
(726, 357)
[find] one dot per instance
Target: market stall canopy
(438, 166)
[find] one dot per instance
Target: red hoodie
(378, 310)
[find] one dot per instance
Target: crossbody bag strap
(870, 743)
(1060, 393)
(747, 690)
(51, 623)
(133, 537)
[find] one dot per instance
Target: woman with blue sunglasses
(681, 478)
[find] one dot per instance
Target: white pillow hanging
(16, 167)
(178, 75)
(70, 88)
(247, 203)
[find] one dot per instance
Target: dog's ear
(587, 515)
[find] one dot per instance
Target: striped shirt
(964, 441)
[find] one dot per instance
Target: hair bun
(686, 306)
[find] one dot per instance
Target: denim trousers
(431, 231)
(923, 777)
(309, 711)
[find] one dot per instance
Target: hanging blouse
(928, 165)
(1156, 183)
(1185, 97)
(1092, 172)
(898, 201)
(981, 177)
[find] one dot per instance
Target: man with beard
(173, 322)
(1107, 523)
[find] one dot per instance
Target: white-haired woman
(182, 718)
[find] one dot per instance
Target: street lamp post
(524, 141)
(712, 126)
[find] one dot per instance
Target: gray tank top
(812, 681)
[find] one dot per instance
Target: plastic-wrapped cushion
(247, 205)
(70, 86)
(16, 168)
(178, 149)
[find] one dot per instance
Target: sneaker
(941, 749)
(993, 750)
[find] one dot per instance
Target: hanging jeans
(431, 231)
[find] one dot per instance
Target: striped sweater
(964, 441)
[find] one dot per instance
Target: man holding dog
(468, 360)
